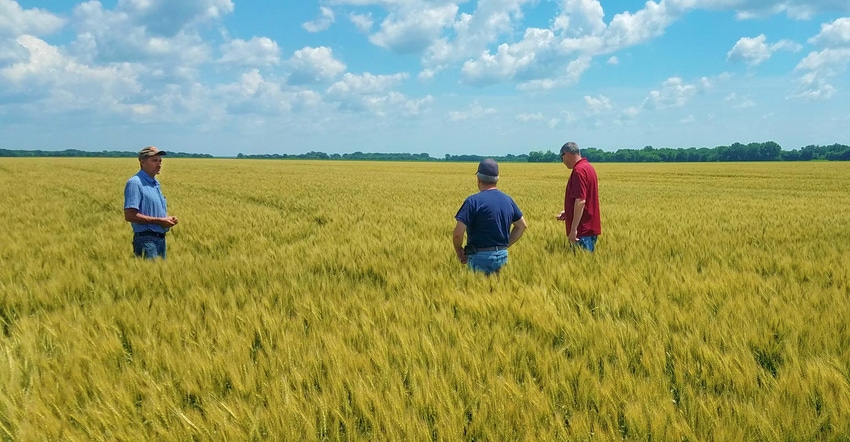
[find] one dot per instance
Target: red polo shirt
(583, 185)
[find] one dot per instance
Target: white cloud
(754, 51)
(166, 18)
(474, 33)
(375, 94)
(820, 67)
(15, 20)
(323, 22)
(833, 35)
(614, 60)
(580, 17)
(131, 34)
(525, 118)
(473, 112)
(627, 29)
(252, 94)
(363, 22)
(414, 31)
(674, 93)
(61, 84)
(259, 51)
(518, 61)
(314, 65)
(750, 9)
(598, 104)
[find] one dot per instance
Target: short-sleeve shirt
(488, 216)
(583, 185)
(142, 192)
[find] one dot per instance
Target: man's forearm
(139, 218)
(578, 211)
(457, 241)
(517, 230)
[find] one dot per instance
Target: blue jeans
(487, 262)
(585, 242)
(149, 247)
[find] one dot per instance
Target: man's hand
(574, 235)
(461, 256)
(561, 216)
(168, 221)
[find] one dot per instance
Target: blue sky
(487, 77)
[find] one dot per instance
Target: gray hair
(487, 179)
(570, 147)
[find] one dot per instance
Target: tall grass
(322, 301)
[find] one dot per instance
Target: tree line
(767, 151)
(90, 154)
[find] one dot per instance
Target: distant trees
(767, 151)
(88, 154)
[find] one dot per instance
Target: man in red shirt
(581, 199)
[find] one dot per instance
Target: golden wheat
(322, 301)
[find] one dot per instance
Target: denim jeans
(149, 247)
(487, 262)
(585, 242)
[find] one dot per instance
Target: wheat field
(322, 301)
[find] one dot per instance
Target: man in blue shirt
(492, 223)
(145, 207)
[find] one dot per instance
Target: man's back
(488, 216)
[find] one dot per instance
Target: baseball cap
(489, 167)
(150, 151)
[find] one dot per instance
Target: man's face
(568, 160)
(152, 165)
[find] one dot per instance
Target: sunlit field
(322, 301)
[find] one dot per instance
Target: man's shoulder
(134, 180)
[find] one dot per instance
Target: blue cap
(488, 167)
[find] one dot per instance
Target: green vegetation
(768, 151)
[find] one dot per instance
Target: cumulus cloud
(833, 35)
(820, 67)
(258, 51)
(63, 84)
(134, 33)
(510, 62)
(15, 20)
(754, 51)
(414, 31)
(314, 65)
(375, 94)
(253, 94)
(166, 18)
(323, 22)
(796, 9)
(474, 111)
(674, 93)
(598, 104)
(363, 22)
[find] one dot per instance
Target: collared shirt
(142, 192)
(583, 185)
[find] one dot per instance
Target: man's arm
(133, 216)
(518, 229)
(457, 241)
(578, 211)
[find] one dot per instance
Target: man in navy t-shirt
(492, 223)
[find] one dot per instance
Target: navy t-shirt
(488, 216)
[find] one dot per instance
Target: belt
(471, 250)
(149, 233)
(490, 249)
